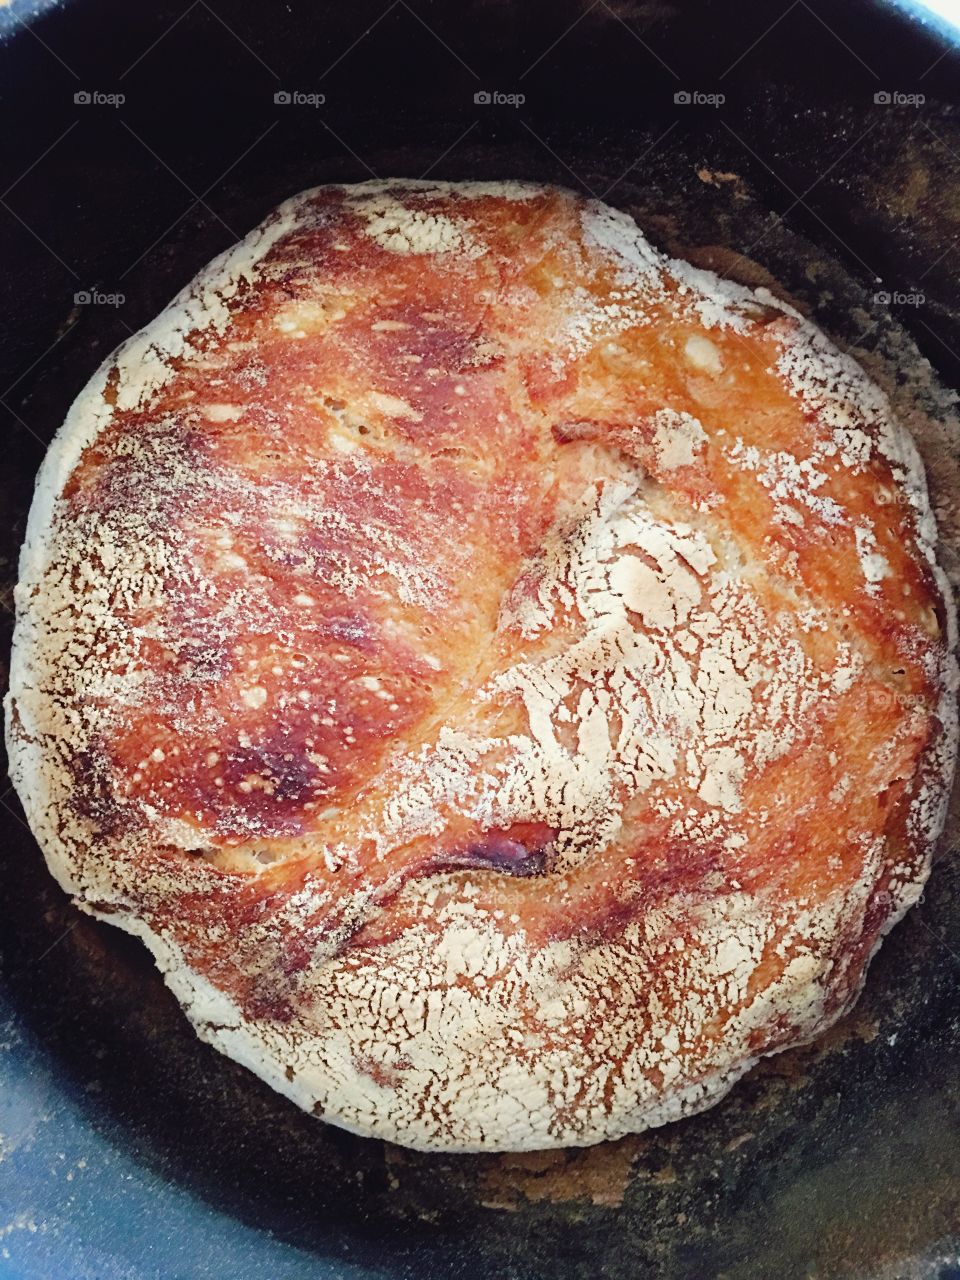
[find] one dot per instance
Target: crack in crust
(502, 674)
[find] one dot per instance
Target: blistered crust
(502, 674)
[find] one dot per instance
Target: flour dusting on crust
(502, 673)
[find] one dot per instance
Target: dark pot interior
(128, 1148)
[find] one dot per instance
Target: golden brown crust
(502, 673)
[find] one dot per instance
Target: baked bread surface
(501, 672)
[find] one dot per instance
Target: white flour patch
(678, 438)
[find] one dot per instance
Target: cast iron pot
(819, 143)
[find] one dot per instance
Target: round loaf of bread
(501, 672)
